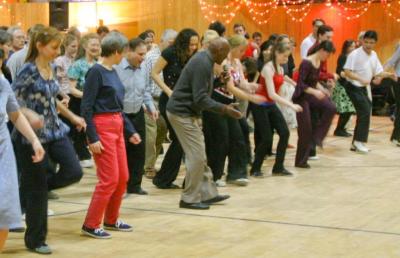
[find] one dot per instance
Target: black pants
(396, 130)
(173, 157)
(224, 138)
(267, 119)
(136, 152)
(362, 104)
(35, 184)
(78, 138)
(342, 121)
(246, 135)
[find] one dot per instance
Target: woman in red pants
(102, 106)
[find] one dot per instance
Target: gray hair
(13, 29)
(168, 34)
(113, 42)
(5, 37)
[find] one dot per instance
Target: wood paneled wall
(135, 16)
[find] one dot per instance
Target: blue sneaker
(97, 233)
(119, 226)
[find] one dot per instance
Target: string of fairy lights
(261, 11)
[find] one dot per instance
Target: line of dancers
(114, 100)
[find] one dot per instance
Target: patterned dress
(10, 213)
(339, 95)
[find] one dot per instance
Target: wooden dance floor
(347, 205)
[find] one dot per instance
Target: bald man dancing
(189, 98)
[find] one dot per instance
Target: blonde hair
(83, 44)
(208, 36)
(237, 41)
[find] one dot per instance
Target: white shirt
(363, 65)
(307, 43)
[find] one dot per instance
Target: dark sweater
(191, 93)
(103, 93)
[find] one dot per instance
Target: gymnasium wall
(132, 17)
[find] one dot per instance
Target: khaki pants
(156, 132)
(199, 185)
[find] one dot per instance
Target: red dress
(262, 89)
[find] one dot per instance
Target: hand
(135, 139)
(36, 122)
(154, 115)
(326, 92)
(231, 111)
(319, 94)
(394, 77)
(79, 122)
(96, 147)
(330, 83)
(297, 108)
(225, 76)
(364, 82)
(252, 87)
(169, 92)
(336, 76)
(39, 151)
(377, 80)
(65, 100)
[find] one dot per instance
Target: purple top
(308, 77)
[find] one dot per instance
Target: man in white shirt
(310, 40)
(362, 66)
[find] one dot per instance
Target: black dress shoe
(194, 206)
(170, 186)
(303, 166)
(218, 198)
(283, 172)
(257, 174)
(139, 191)
(342, 133)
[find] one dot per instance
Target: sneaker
(220, 183)
(119, 226)
(97, 233)
(43, 249)
(396, 142)
(50, 213)
(313, 158)
(239, 182)
(86, 163)
(359, 147)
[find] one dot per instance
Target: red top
(249, 51)
(262, 89)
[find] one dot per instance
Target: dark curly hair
(182, 42)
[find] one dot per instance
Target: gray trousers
(199, 184)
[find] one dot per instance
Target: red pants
(112, 171)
